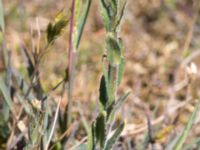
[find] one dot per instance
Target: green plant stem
(71, 57)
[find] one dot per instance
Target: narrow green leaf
(103, 92)
(82, 21)
(78, 10)
(46, 123)
(105, 15)
(2, 25)
(53, 125)
(120, 101)
(120, 12)
(113, 49)
(113, 4)
(173, 142)
(83, 118)
(187, 129)
(4, 128)
(91, 138)
(114, 137)
(6, 111)
(118, 104)
(105, 72)
(101, 128)
(5, 93)
(49, 33)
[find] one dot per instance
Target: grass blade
(105, 15)
(82, 21)
(100, 128)
(2, 25)
(184, 134)
(53, 125)
(5, 93)
(121, 101)
(114, 137)
(91, 138)
(103, 97)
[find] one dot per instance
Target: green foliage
(112, 12)
(177, 143)
(4, 129)
(103, 93)
(114, 50)
(100, 129)
(91, 138)
(120, 12)
(110, 142)
(82, 20)
(4, 90)
(102, 134)
(119, 103)
(105, 15)
(185, 132)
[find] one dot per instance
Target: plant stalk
(71, 67)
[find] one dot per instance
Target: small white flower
(192, 69)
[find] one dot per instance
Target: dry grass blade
(66, 133)
(5, 93)
(53, 125)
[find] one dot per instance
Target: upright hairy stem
(103, 134)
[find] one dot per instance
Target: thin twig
(67, 132)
